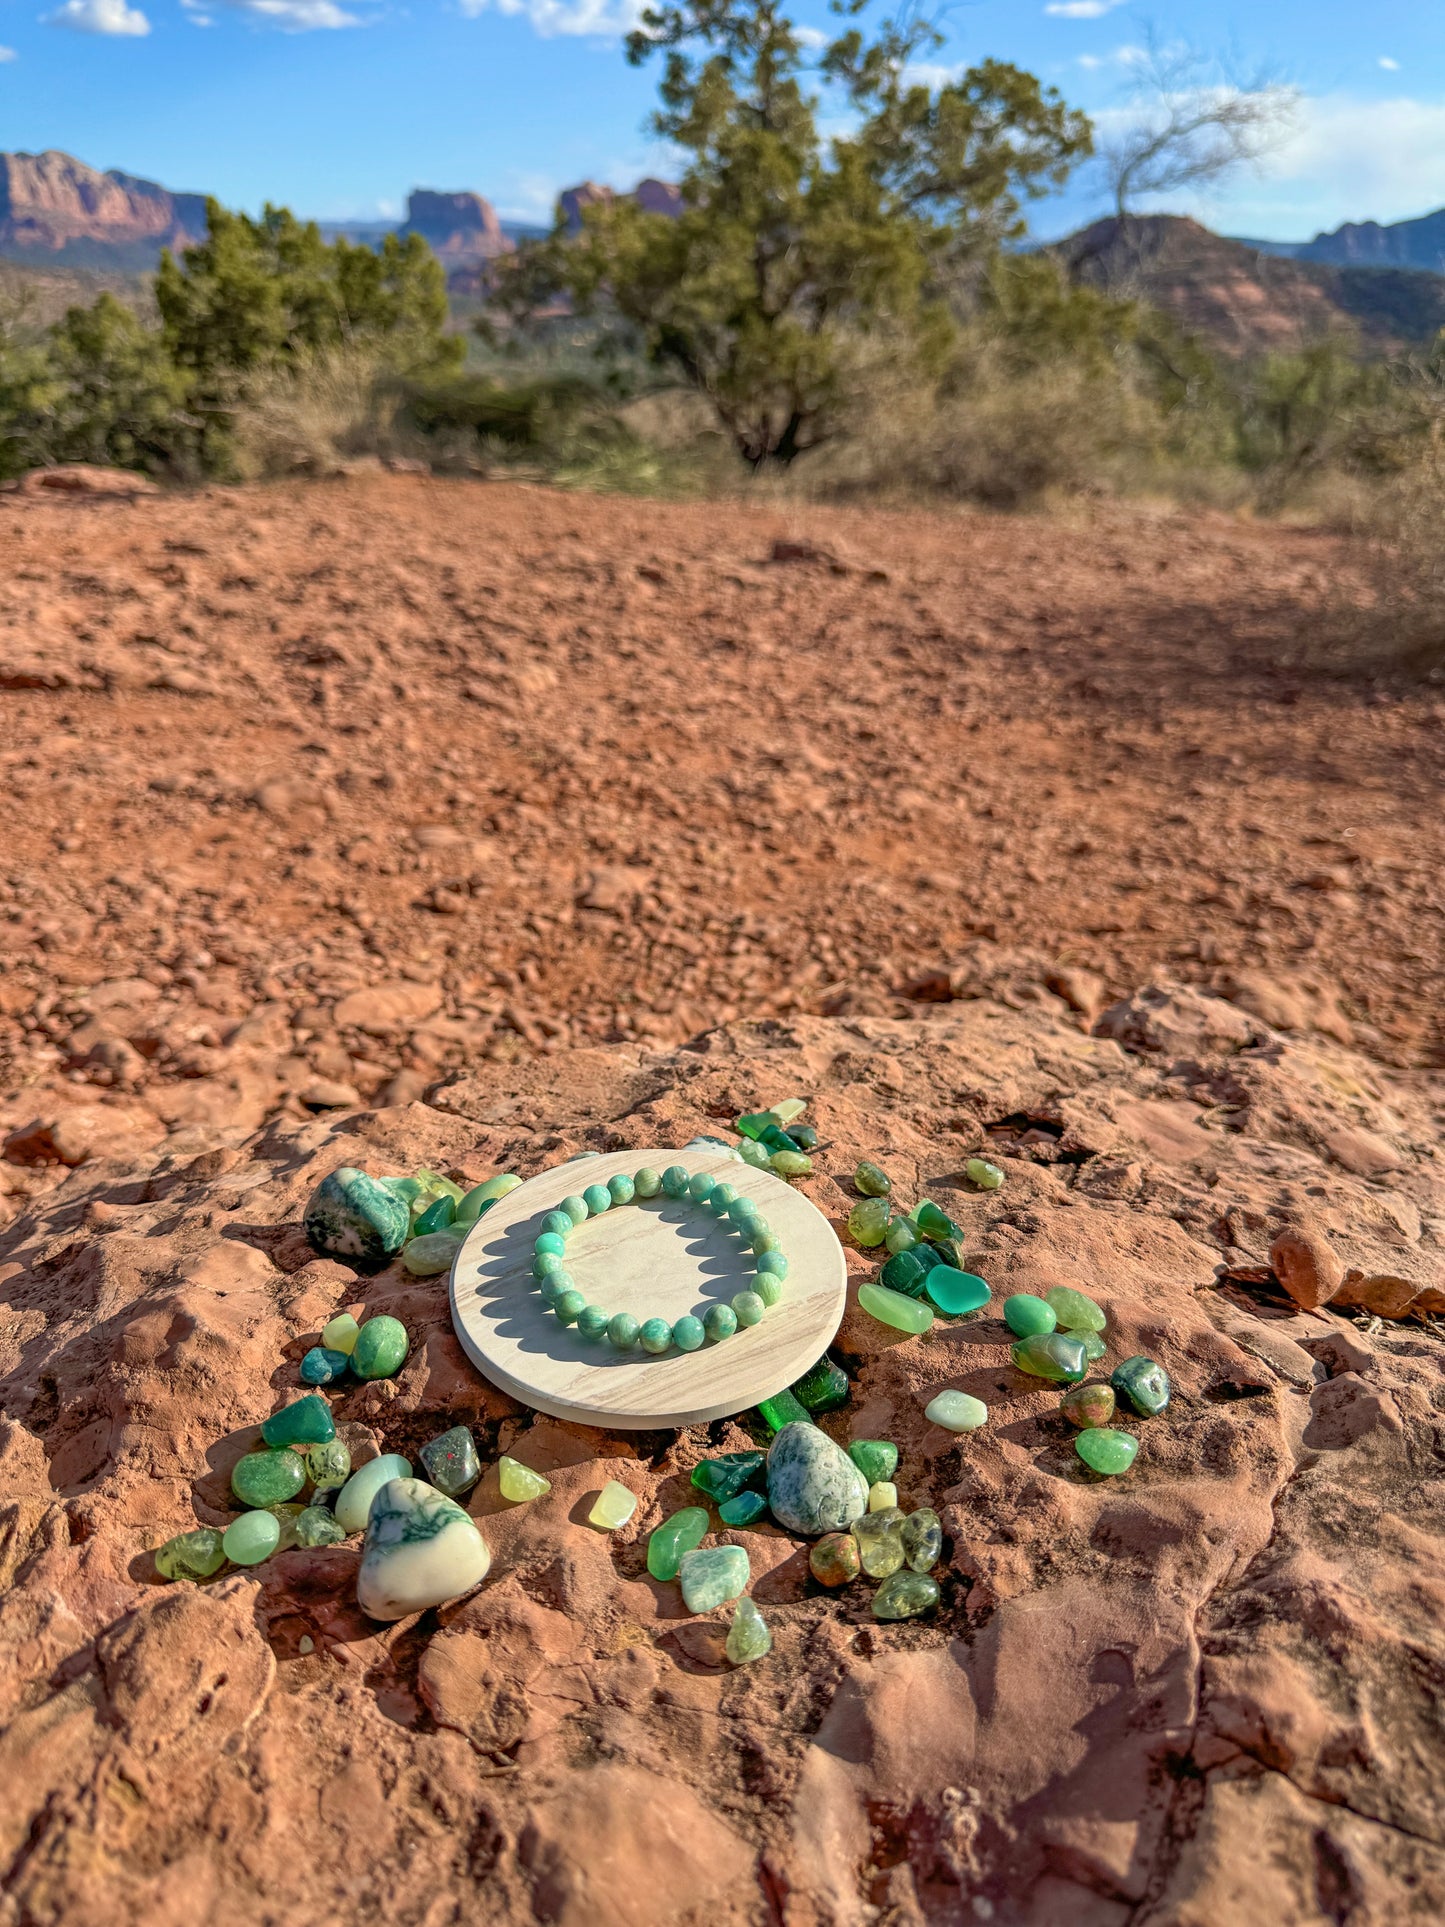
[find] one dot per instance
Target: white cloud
(291, 16)
(112, 17)
(7, 53)
(810, 36)
(1081, 9)
(1390, 66)
(607, 19)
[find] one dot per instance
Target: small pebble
(957, 1411)
(871, 1180)
(380, 1348)
(1142, 1383)
(875, 1458)
(518, 1483)
(892, 1308)
(922, 1539)
(1075, 1310)
(833, 1560)
(1088, 1405)
(339, 1334)
(353, 1504)
(986, 1175)
(320, 1366)
(1106, 1452)
(868, 1222)
(905, 1595)
(749, 1636)
(450, 1461)
(678, 1534)
(614, 1506)
(191, 1555)
(882, 1496)
(712, 1576)
(251, 1538)
(880, 1541)
(1027, 1316)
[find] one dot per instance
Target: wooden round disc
(656, 1259)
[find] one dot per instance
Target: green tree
(791, 248)
(121, 401)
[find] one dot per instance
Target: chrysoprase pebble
(339, 1333)
(450, 1461)
(380, 1348)
(613, 1507)
(922, 1539)
(711, 1576)
(350, 1215)
(823, 1389)
(421, 1549)
(328, 1463)
(880, 1541)
(868, 1221)
(251, 1538)
(306, 1421)
(728, 1473)
(754, 1154)
(1075, 1311)
(984, 1173)
(1142, 1383)
(353, 1504)
(871, 1180)
(875, 1458)
(905, 1595)
(1105, 1451)
(833, 1560)
(882, 1496)
(1051, 1355)
(955, 1292)
(318, 1527)
(517, 1482)
(892, 1308)
(268, 1478)
(956, 1411)
(1025, 1315)
(742, 1509)
(677, 1535)
(191, 1555)
(749, 1636)
(813, 1486)
(1088, 1405)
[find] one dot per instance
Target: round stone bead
(559, 1221)
(263, 1479)
(622, 1331)
(674, 1181)
(252, 1538)
(719, 1199)
(592, 1321)
(575, 1207)
(598, 1199)
(700, 1187)
(741, 1210)
(1026, 1315)
(774, 1262)
(329, 1463)
(1106, 1452)
(768, 1287)
(655, 1336)
(551, 1241)
(647, 1183)
(569, 1306)
(720, 1322)
(763, 1239)
(546, 1262)
(748, 1307)
(380, 1349)
(622, 1188)
(688, 1333)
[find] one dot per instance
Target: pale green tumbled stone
(900, 1236)
(749, 1636)
(431, 1254)
(892, 1308)
(286, 1517)
(984, 1173)
(880, 1541)
(789, 1108)
(613, 1507)
(1107, 1452)
(251, 1538)
(791, 1164)
(904, 1595)
(421, 1549)
(871, 1180)
(754, 1154)
(713, 1575)
(813, 1486)
(493, 1188)
(191, 1555)
(353, 1505)
(380, 1348)
(868, 1221)
(1075, 1310)
(318, 1527)
(339, 1333)
(517, 1482)
(957, 1411)
(882, 1496)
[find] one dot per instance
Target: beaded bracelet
(656, 1335)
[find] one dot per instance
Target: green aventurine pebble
(252, 1538)
(754, 1123)
(1025, 1315)
(712, 1577)
(1074, 1311)
(780, 1410)
(875, 1458)
(791, 1164)
(1051, 1355)
(380, 1348)
(307, 1421)
(824, 1388)
(905, 1595)
(748, 1636)
(871, 1180)
(868, 1222)
(190, 1555)
(674, 1537)
(1143, 1383)
(955, 1292)
(742, 1510)
(892, 1308)
(957, 1411)
(729, 1472)
(267, 1478)
(1106, 1452)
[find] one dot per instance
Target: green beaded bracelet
(657, 1335)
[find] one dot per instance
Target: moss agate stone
(905, 1595)
(353, 1503)
(264, 1479)
(875, 1458)
(251, 1538)
(1075, 1311)
(320, 1366)
(339, 1333)
(380, 1348)
(742, 1509)
(880, 1542)
(306, 1421)
(955, 1292)
(871, 1180)
(749, 1636)
(823, 1389)
(1143, 1384)
(922, 1539)
(350, 1215)
(892, 1308)
(833, 1560)
(318, 1527)
(1051, 1355)
(957, 1411)
(450, 1461)
(421, 1549)
(728, 1473)
(1026, 1316)
(614, 1506)
(813, 1486)
(675, 1537)
(1106, 1452)
(1088, 1405)
(780, 1410)
(868, 1222)
(712, 1575)
(191, 1555)
(517, 1482)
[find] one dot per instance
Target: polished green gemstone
(775, 1138)
(712, 1576)
(592, 1321)
(754, 1154)
(904, 1272)
(1094, 1346)
(774, 1263)
(729, 1472)
(791, 1164)
(699, 1186)
(868, 1222)
(789, 1108)
(905, 1595)
(575, 1208)
(688, 1333)
(880, 1541)
(318, 1526)
(720, 1322)
(901, 1235)
(833, 1560)
(286, 1517)
(1088, 1405)
(1025, 1315)
(493, 1188)
(754, 1123)
(655, 1336)
(1052, 1355)
(1075, 1311)
(307, 1421)
(356, 1497)
(450, 1461)
(804, 1136)
(957, 1411)
(871, 1180)
(883, 1496)
(922, 1539)
(329, 1463)
(646, 1182)
(350, 1215)
(553, 1241)
(749, 1636)
(985, 1174)
(675, 1536)
(561, 1223)
(622, 1330)
(190, 1555)
(568, 1307)
(719, 1199)
(1106, 1452)
(780, 1410)
(824, 1388)
(380, 1349)
(1142, 1383)
(769, 1287)
(742, 1509)
(622, 1188)
(517, 1482)
(674, 1181)
(428, 1257)
(440, 1213)
(955, 1292)
(268, 1478)
(892, 1308)
(251, 1538)
(339, 1334)
(934, 1223)
(614, 1506)
(748, 1308)
(875, 1458)
(320, 1367)
(598, 1199)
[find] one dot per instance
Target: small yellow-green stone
(892, 1308)
(790, 1108)
(749, 1636)
(871, 1180)
(904, 1595)
(1106, 1452)
(922, 1538)
(614, 1507)
(519, 1482)
(428, 1256)
(882, 1496)
(880, 1541)
(1074, 1310)
(985, 1174)
(791, 1164)
(868, 1222)
(190, 1555)
(252, 1538)
(339, 1334)
(900, 1236)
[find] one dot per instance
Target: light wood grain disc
(656, 1259)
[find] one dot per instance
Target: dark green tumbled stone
(321, 1365)
(350, 1216)
(729, 1472)
(1143, 1383)
(803, 1135)
(438, 1215)
(871, 1180)
(876, 1459)
(904, 1272)
(742, 1509)
(307, 1421)
(1051, 1355)
(934, 1223)
(824, 1388)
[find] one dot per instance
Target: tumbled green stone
(318, 1527)
(561, 1223)
(356, 1497)
(380, 1349)
(1051, 1355)
(655, 1335)
(592, 1321)
(1106, 1452)
(517, 1482)
(743, 1509)
(251, 1538)
(748, 1308)
(833, 1560)
(1026, 1315)
(955, 1292)
(905, 1595)
(935, 1223)
(1094, 1346)
(339, 1334)
(490, 1189)
(729, 1472)
(622, 1188)
(1075, 1311)
(264, 1479)
(754, 1154)
(720, 1322)
(350, 1215)
(711, 1576)
(875, 1458)
(598, 1199)
(804, 1136)
(674, 1537)
(622, 1330)
(646, 1182)
(306, 1421)
(412, 1192)
(575, 1208)
(552, 1241)
(957, 1411)
(769, 1287)
(320, 1366)
(440, 1213)
(614, 1506)
(868, 1222)
(450, 1461)
(688, 1333)
(791, 1164)
(880, 1541)
(901, 1235)
(286, 1517)
(985, 1174)
(749, 1636)
(428, 1257)
(822, 1389)
(754, 1123)
(772, 1263)
(922, 1539)
(775, 1138)
(190, 1555)
(904, 1272)
(789, 1108)
(329, 1463)
(892, 1308)
(1143, 1383)
(780, 1410)
(568, 1307)
(871, 1180)
(1088, 1405)
(929, 1255)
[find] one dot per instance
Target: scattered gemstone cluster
(923, 1272)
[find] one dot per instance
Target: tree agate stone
(883, 1497)
(1026, 1315)
(353, 1504)
(743, 1509)
(892, 1308)
(824, 1388)
(1105, 1452)
(934, 1223)
(320, 1366)
(922, 1539)
(957, 1411)
(307, 1421)
(1052, 1355)
(264, 1479)
(251, 1538)
(421, 1549)
(749, 1636)
(450, 1461)
(728, 1473)
(985, 1174)
(1074, 1310)
(339, 1333)
(833, 1560)
(780, 1410)
(380, 1348)
(868, 1222)
(904, 1272)
(1143, 1384)
(190, 1555)
(675, 1537)
(318, 1527)
(517, 1482)
(350, 1215)
(875, 1458)
(712, 1576)
(813, 1486)
(614, 1506)
(1088, 1405)
(905, 1595)
(955, 1292)
(880, 1542)
(871, 1180)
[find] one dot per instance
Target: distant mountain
(57, 212)
(1366, 244)
(653, 197)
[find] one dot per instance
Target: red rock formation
(55, 207)
(461, 229)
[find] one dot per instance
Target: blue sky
(338, 107)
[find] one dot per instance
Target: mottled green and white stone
(813, 1486)
(421, 1549)
(352, 1216)
(712, 1576)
